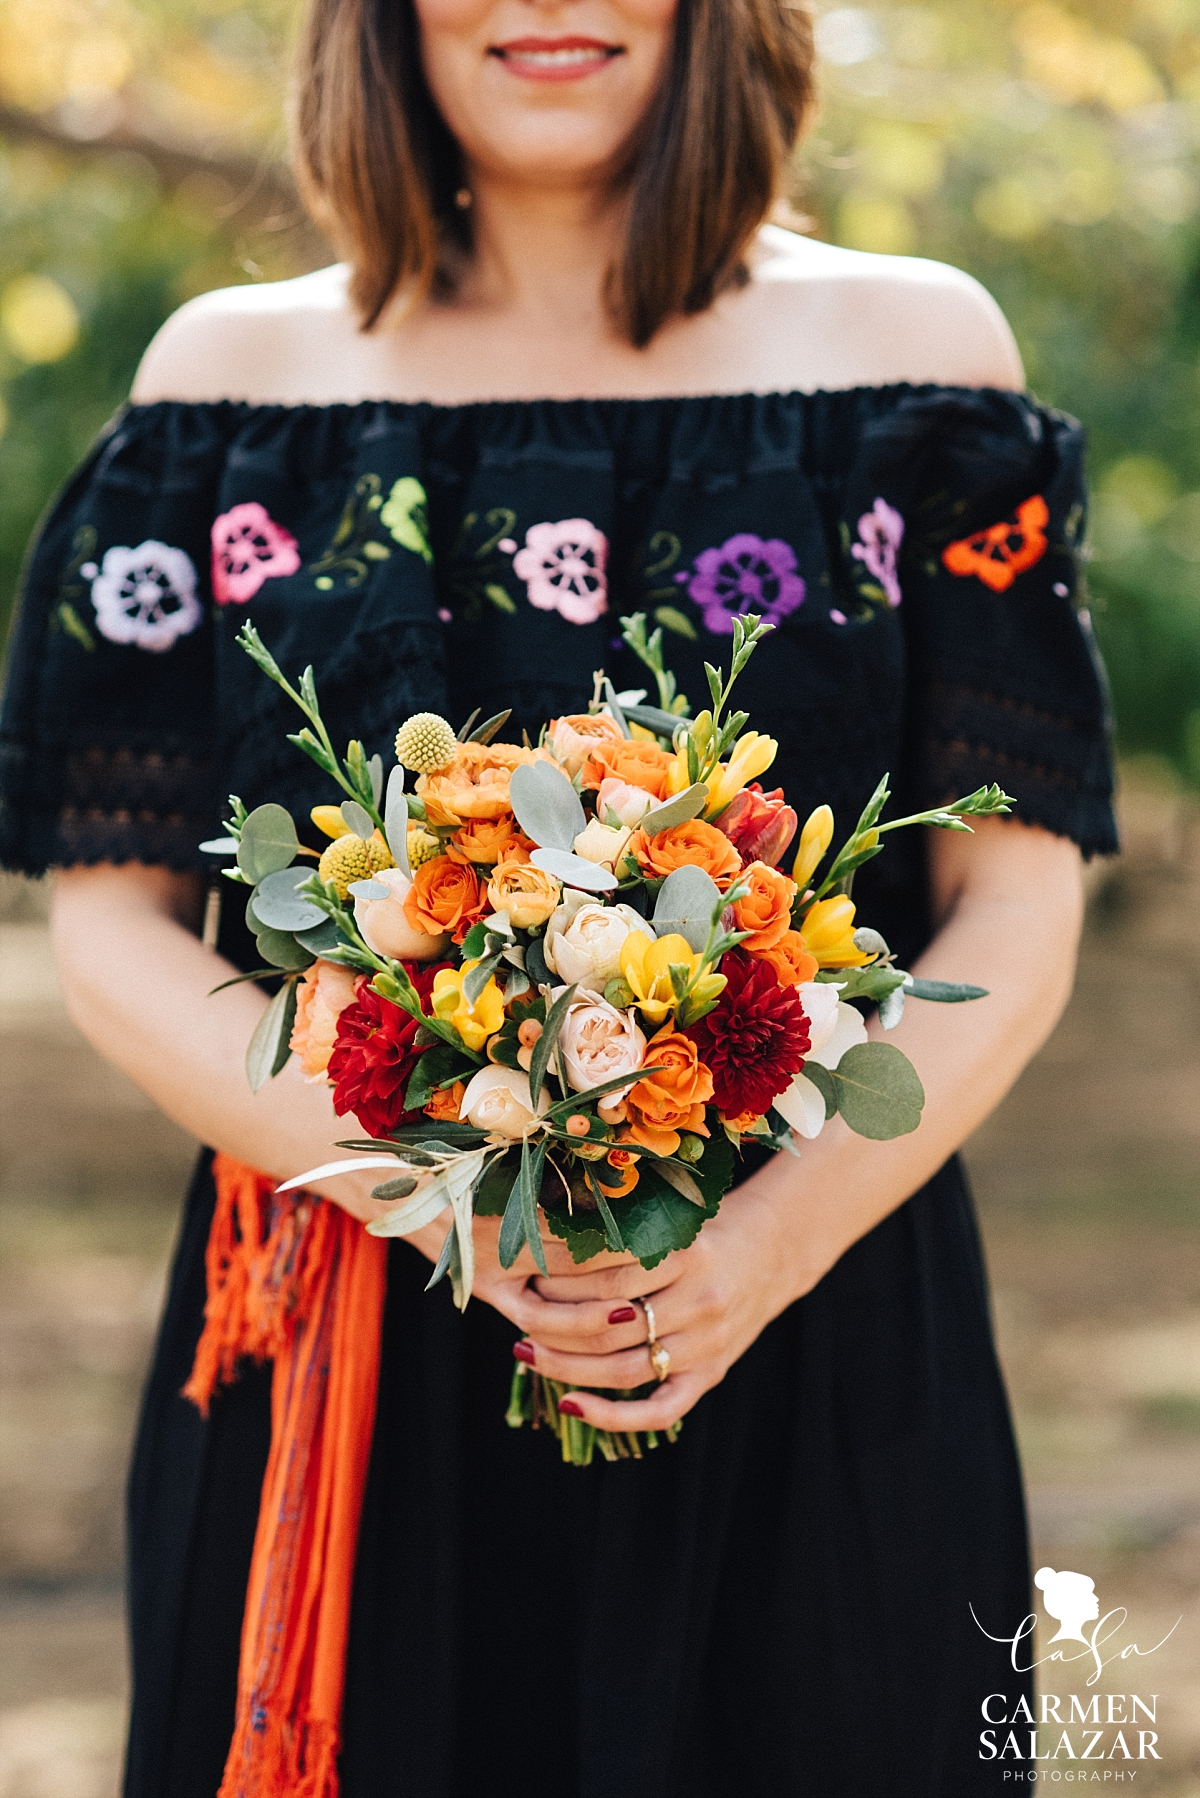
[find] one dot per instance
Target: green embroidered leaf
(405, 513)
(503, 601)
(675, 620)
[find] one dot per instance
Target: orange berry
(578, 1125)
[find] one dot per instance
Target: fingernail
(524, 1352)
(624, 1314)
(570, 1407)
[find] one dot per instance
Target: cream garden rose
(498, 1100)
(628, 804)
(601, 845)
(583, 940)
(573, 738)
(527, 894)
(385, 926)
(599, 1043)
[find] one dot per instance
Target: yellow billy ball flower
(422, 846)
(348, 859)
(328, 819)
(752, 756)
(426, 743)
(828, 933)
(474, 1023)
(815, 839)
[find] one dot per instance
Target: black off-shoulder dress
(782, 1602)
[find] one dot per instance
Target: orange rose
(642, 765)
(321, 998)
(789, 957)
(445, 896)
(446, 1103)
(475, 785)
(673, 1099)
(623, 1178)
(742, 1121)
(766, 911)
(696, 844)
(573, 739)
(488, 841)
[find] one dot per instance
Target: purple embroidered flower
(746, 574)
(562, 566)
(248, 547)
(880, 534)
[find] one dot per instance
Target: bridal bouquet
(563, 984)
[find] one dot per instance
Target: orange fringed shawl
(300, 1283)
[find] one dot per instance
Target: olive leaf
(269, 1046)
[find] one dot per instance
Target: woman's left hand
(710, 1302)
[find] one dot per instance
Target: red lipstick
(555, 58)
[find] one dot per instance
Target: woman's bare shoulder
(848, 318)
(248, 342)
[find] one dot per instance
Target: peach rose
(642, 765)
(385, 925)
(673, 1099)
(572, 739)
(627, 804)
(766, 911)
(694, 844)
(789, 958)
(475, 785)
(446, 1103)
(526, 893)
(488, 841)
(599, 1043)
(445, 896)
(321, 998)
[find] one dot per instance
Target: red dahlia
(375, 1053)
(755, 1040)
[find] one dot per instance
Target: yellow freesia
(700, 728)
(828, 933)
(646, 965)
(328, 818)
(752, 756)
(474, 1023)
(815, 839)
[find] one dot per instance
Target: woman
(557, 272)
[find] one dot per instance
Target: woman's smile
(555, 58)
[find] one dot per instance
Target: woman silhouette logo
(1070, 1598)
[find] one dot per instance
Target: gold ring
(660, 1361)
(651, 1328)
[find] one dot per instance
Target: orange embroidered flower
(661, 1105)
(766, 911)
(488, 841)
(1002, 552)
(475, 785)
(694, 844)
(642, 765)
(790, 959)
(446, 1103)
(445, 895)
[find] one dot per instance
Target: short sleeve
(1005, 680)
(106, 732)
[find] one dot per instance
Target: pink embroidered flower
(746, 574)
(562, 566)
(880, 534)
(248, 547)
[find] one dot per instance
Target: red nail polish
(524, 1352)
(624, 1314)
(570, 1407)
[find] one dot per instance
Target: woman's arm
(1009, 900)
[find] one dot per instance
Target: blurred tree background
(1051, 149)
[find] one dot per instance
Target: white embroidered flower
(145, 596)
(562, 566)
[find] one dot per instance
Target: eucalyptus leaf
(545, 1044)
(574, 870)
(685, 806)
(269, 842)
(546, 805)
(488, 730)
(279, 906)
(270, 1040)
(878, 1091)
(685, 904)
(395, 820)
(943, 992)
(369, 889)
(281, 949)
(219, 846)
(357, 818)
(321, 938)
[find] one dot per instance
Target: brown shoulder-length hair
(380, 169)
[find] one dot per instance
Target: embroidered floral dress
(781, 1603)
